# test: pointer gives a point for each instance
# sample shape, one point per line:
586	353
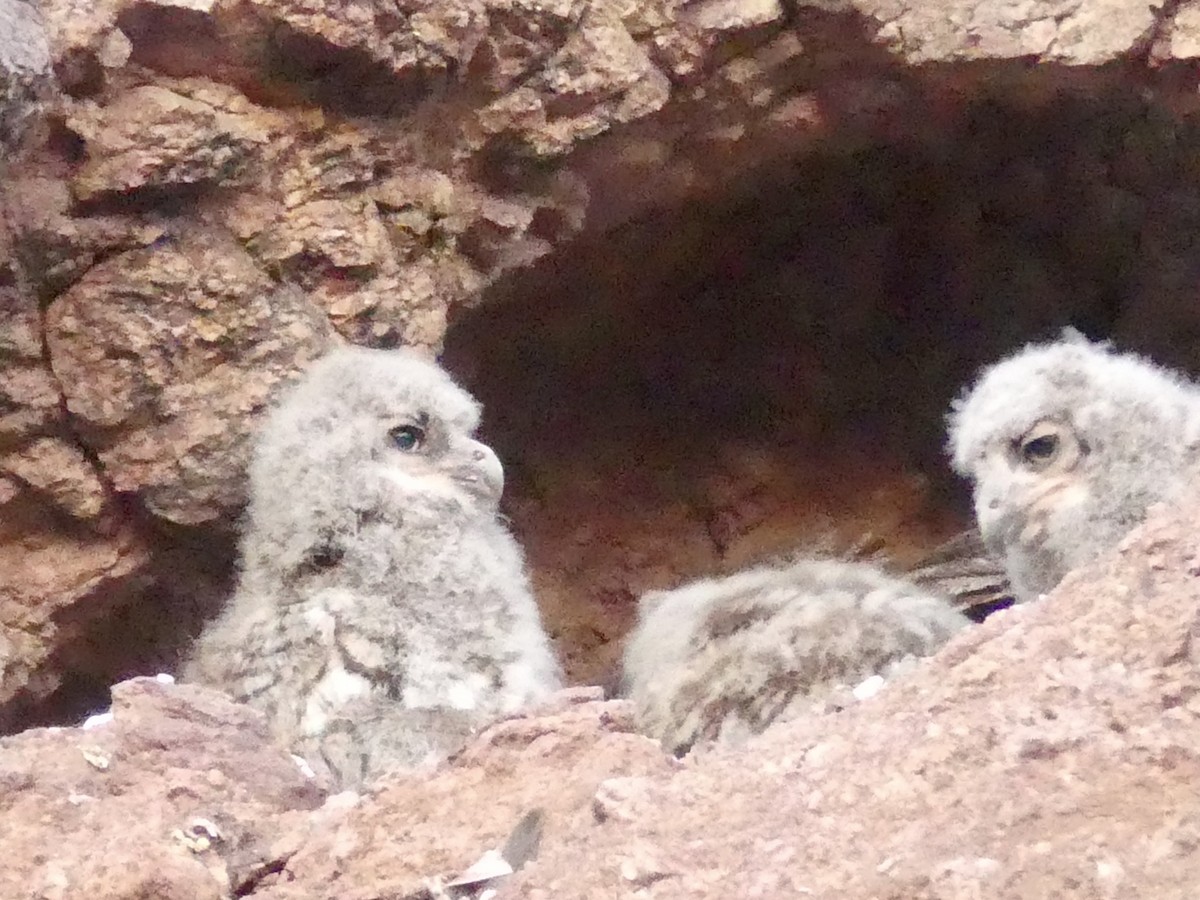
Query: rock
151	137
439	825
600	78
28	397
178	794
59	471
165	355
1090	33
1052	751
48	571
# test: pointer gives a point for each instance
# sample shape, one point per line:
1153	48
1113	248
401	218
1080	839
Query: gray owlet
723	658
1067	444
383	610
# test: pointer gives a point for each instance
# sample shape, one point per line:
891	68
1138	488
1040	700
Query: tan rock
55	581
345	234
1183	40
76	26
179	795
600	78
57	244
165	355
406	39
28	396
1089	33
61	472
153	137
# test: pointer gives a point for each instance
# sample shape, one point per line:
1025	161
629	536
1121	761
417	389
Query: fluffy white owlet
383	610
1067	444
723	658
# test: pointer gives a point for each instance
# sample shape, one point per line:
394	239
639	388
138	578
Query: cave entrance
769	370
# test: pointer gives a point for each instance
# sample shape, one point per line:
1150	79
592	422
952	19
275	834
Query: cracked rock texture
179	795
1053	750
716	268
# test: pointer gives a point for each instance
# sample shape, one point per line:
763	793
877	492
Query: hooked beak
481	474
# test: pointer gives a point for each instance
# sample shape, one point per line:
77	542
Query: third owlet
383	610
723	658
1067	444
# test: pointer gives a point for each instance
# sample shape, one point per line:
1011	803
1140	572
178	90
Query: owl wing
964	570
263	654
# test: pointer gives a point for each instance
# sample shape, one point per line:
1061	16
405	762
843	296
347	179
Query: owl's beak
481	474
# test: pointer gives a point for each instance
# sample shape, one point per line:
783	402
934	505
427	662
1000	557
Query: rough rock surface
411	833
179	795
174	349
1052	751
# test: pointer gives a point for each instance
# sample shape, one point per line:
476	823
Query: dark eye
407	437
1040	450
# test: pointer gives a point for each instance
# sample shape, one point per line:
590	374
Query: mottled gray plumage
383	608
1067	444
723	658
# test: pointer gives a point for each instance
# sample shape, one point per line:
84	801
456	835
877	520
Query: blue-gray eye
407	437
1041	450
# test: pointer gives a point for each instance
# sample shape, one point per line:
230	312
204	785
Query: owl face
1067	444
1030	491
1023	483
423	451
381	430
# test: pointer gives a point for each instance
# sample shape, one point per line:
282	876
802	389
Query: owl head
1066	444
367	436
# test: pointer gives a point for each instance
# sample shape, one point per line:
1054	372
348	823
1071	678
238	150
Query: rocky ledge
1052	751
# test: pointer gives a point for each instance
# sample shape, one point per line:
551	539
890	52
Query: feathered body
723	658
1067	444
376	575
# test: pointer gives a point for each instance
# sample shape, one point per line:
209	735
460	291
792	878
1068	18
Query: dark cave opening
769	371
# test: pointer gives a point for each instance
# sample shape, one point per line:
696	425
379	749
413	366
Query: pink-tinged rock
179	795
1052	752
54	584
418	831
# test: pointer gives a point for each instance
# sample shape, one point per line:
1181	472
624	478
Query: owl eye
408	438
1040	451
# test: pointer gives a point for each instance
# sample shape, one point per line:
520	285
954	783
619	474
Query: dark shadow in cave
721	381
148	622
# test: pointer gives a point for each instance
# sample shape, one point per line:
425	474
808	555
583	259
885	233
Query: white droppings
97	720
302	764
96	758
869	688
